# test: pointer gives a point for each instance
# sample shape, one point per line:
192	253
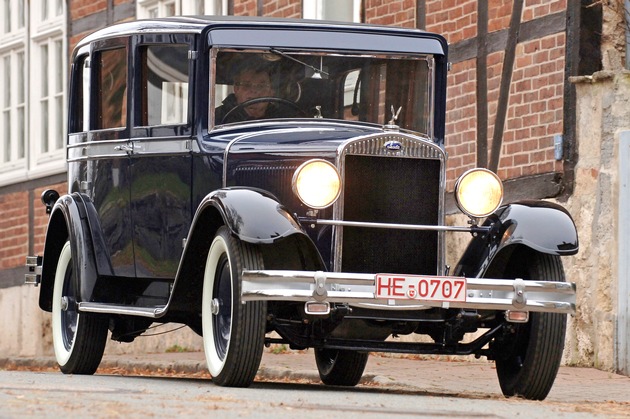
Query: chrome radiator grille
384	186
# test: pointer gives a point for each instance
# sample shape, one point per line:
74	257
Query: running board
104	308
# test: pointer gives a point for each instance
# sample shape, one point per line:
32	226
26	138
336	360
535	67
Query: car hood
284	139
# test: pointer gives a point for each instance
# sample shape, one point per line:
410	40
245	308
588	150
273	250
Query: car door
98	150
161	161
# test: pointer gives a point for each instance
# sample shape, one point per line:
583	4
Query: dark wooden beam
569	117
546	185
497	41
421	14
482	83
506	81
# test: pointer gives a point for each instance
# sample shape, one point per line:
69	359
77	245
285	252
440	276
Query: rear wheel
340	367
78	338
233	332
528	359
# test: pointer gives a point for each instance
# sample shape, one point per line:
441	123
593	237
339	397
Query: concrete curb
174	367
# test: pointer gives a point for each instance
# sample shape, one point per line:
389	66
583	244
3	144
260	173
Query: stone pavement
461	378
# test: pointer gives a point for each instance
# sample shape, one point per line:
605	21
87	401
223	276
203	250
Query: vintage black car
283	181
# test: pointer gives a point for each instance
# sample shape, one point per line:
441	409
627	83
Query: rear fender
70	220
540	225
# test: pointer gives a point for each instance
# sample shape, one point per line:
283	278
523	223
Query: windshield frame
299	58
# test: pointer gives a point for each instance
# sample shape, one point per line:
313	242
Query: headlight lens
478	192
317	183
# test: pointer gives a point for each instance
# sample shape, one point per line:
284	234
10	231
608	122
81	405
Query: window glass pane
336	86
6	122
44	74
165	85
112	88
7	16
169	9
21	71
20	22
44	10
20	132
85	95
59	7
59	122
58	68
7	81
44	126
199	9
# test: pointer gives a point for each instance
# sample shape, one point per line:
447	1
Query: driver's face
250	85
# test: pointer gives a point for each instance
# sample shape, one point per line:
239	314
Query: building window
32	114
13	110
347	11
165	8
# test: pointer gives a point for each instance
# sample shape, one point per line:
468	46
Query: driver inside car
250	82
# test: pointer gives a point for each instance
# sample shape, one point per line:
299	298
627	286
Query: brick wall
283	8
13	229
395	13
535	110
535	107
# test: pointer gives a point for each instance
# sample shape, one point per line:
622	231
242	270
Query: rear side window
164	85
112	89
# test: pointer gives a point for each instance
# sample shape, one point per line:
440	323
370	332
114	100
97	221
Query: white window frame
48	29
146	9
315	9
33	24
10	104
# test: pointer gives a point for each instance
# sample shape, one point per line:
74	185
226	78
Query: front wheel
340	367
78	338
233	332
529	356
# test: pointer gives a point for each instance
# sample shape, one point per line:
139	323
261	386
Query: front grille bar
471	229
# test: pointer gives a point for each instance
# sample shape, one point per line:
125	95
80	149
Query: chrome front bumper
359	290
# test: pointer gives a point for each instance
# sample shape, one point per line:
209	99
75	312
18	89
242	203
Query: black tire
78	338
233	333
340	367
528	361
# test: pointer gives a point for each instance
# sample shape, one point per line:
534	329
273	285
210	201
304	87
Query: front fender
253	215
69	220
540	225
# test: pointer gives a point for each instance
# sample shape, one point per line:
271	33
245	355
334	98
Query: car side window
80	102
164	85
112	89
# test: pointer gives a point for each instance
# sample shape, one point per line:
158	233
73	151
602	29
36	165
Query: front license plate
418	287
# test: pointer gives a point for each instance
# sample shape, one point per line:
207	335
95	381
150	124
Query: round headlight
478	192
317	183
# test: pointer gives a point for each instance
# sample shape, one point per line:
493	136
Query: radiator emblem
393	145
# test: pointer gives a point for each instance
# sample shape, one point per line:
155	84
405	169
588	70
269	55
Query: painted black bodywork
143	207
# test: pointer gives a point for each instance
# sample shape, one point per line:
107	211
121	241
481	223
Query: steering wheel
278	100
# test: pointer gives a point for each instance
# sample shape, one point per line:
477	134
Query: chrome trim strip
358	289
151	312
397	226
90	150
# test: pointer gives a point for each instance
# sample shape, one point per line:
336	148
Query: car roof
233	31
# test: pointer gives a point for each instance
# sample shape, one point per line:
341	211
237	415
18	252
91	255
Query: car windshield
376	89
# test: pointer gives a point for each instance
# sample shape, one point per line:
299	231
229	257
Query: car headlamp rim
303	194
462	182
